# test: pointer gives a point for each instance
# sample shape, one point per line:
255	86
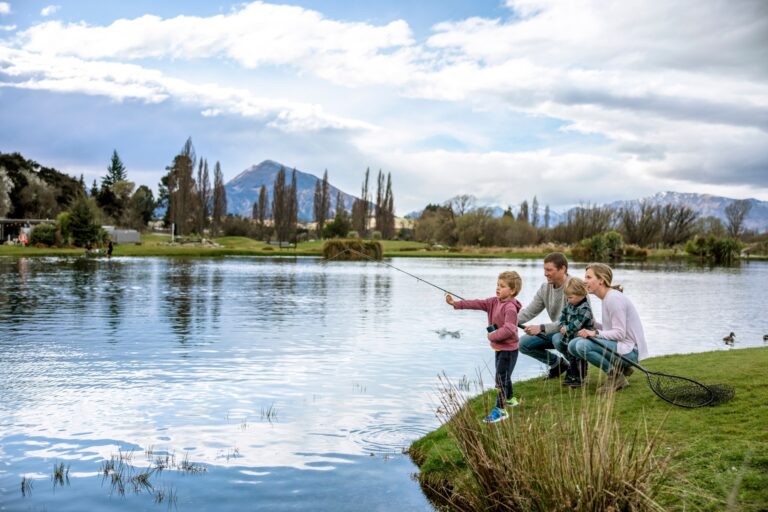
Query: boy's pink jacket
503	314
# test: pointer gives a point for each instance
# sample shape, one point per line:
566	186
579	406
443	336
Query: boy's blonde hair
576	287
513	280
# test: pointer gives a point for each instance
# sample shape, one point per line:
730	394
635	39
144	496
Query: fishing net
685	392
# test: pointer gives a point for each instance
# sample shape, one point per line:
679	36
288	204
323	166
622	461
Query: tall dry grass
568	456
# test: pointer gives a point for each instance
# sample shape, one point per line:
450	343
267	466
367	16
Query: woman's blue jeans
597	355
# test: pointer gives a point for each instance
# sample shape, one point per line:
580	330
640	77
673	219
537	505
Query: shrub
602	247
634	252
43	234
714	250
352	250
376	235
353	234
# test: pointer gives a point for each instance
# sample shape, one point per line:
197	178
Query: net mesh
687	392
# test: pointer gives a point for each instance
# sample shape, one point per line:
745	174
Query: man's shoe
627	371
496	415
512	402
556	371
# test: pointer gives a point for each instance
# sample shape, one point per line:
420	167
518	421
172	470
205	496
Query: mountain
705	205
243	190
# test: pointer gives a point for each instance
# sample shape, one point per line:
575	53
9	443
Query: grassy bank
159	245
718	456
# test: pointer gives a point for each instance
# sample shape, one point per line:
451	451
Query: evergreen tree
219	198
115	172
82	222
94	189
142	206
339	205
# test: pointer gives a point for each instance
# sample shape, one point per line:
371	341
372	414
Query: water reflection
282	376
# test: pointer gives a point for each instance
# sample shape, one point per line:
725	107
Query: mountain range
243	191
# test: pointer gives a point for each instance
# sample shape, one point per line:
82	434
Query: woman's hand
449	299
586	333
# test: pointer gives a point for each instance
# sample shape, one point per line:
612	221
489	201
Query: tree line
459	222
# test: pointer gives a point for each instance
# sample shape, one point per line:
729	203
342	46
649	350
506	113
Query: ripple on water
387	438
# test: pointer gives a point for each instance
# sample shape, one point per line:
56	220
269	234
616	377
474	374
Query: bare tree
546	217
462	204
735	213
219	199
677	224
641	226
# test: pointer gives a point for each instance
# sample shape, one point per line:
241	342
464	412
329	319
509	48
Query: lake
272	384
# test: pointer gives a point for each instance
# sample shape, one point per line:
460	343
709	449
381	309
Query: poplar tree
203	196
380	213
219	199
388	231
361	209
546	217
535	212
181	187
278	205
292	207
260	212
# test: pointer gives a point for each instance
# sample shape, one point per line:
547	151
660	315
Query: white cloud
49	10
7	28
131	82
675	89
5	8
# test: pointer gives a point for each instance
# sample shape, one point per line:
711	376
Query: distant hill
243	190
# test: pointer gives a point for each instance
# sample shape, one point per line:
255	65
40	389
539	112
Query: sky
578	101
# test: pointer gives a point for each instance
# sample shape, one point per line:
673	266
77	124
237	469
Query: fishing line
398	269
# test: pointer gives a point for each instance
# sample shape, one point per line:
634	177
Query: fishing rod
398	269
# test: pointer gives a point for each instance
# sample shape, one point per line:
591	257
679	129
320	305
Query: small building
122	236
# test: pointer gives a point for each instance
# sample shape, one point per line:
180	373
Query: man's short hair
558	259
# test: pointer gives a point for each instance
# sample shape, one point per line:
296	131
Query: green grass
721	452
154	244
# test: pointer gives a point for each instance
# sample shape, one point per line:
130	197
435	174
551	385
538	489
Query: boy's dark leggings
505	365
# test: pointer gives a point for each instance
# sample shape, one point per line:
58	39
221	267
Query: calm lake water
285	384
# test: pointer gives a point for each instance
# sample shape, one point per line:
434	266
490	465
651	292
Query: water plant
190	467
26	486
167	495
60	474
269	414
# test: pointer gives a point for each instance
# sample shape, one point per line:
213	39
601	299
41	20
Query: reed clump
352	250
570	456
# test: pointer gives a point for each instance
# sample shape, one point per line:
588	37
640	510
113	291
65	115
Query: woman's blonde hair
513	280
604	273
575	286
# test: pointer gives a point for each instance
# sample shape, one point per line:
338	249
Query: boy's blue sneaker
512	402
496	415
